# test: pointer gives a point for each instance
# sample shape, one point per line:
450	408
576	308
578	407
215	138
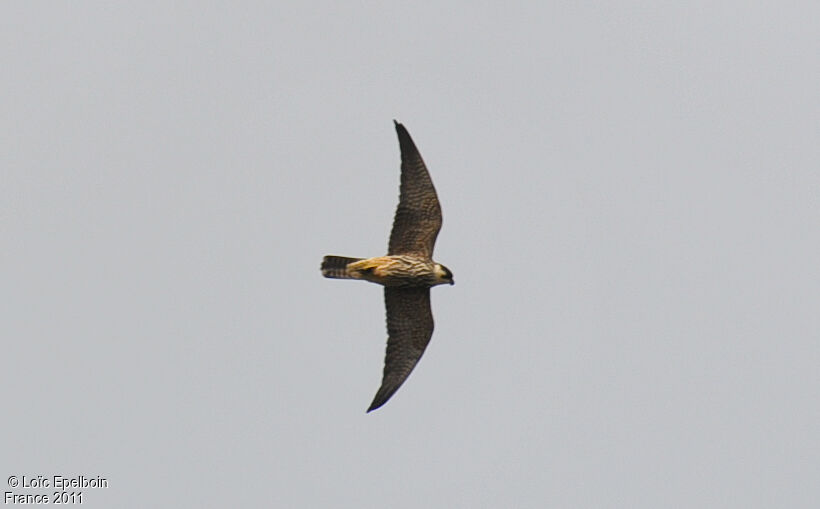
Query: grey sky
631	211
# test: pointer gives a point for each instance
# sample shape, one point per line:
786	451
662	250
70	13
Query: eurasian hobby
407	272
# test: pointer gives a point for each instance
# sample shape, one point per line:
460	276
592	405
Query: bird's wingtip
375	405
380	399
400	129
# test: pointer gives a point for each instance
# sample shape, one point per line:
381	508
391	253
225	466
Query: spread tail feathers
336	266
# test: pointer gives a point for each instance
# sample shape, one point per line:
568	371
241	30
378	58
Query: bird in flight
407	272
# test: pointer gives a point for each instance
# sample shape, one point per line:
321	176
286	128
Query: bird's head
443	275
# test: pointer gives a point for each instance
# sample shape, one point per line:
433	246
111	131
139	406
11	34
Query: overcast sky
631	201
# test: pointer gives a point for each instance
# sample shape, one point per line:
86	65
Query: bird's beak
452	282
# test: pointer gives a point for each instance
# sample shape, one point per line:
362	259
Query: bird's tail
336	266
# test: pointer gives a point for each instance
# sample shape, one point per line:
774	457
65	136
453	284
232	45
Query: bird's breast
397	270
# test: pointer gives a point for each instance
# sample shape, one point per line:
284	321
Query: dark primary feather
418	215
409	328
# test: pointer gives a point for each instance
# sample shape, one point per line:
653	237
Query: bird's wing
409	328
418	216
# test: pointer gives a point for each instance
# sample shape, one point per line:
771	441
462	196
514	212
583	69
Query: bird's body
407	271
395	270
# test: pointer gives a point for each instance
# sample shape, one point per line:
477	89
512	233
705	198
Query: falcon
407	272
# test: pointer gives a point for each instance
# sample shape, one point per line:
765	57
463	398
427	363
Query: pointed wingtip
404	135
382	396
375	405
